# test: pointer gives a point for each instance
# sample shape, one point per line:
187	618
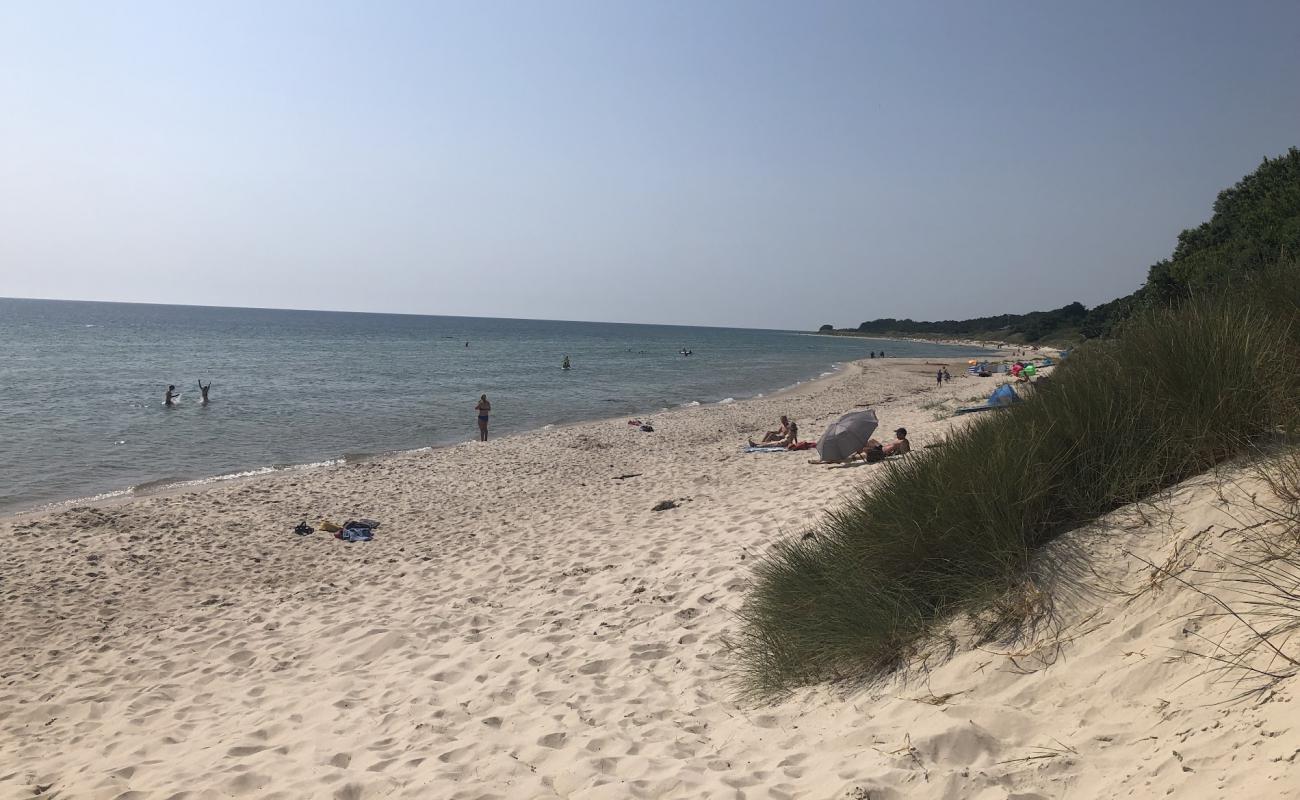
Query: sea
82	385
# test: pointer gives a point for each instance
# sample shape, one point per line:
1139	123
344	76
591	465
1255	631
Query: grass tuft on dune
955	528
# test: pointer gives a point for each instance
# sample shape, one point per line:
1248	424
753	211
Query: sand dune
524	625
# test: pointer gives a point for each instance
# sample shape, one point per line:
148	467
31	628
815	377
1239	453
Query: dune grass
955	528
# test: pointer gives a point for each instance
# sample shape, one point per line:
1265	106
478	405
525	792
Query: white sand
525	626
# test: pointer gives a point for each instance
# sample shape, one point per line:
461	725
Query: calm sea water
81	385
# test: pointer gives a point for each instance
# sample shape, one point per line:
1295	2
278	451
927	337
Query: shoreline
165	486
997	345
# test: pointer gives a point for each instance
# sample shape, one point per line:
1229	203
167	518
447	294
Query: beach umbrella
846	435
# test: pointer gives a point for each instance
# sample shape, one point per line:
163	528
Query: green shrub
950	529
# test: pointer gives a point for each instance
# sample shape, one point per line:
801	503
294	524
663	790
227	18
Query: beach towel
757	449
355	535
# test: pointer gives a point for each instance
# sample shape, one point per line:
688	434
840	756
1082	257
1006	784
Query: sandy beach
525	626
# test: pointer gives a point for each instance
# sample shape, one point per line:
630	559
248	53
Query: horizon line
404	314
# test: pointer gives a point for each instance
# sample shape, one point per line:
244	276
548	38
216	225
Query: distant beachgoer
484	408
203	392
787	439
938	378
467	344
779	433
566	364
946	377
873	354
169	399
882	353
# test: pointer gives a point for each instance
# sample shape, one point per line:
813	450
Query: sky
775	165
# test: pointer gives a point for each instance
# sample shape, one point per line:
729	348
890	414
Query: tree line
1255	224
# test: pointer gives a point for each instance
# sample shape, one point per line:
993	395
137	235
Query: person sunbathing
874	451
776	435
788	440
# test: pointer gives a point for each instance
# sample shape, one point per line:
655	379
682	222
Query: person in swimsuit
169	399
779	433
484	408
203	391
874	451
787	439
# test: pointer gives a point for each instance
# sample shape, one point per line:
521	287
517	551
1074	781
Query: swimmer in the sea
203	392
169	399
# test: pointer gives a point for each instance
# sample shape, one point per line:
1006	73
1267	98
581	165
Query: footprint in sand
247	750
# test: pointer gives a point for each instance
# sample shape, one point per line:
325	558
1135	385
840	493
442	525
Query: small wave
690	404
151	487
63	504
331	462
726	400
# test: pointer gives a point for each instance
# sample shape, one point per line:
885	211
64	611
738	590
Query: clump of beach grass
954	529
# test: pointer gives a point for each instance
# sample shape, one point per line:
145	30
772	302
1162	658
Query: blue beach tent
1002	397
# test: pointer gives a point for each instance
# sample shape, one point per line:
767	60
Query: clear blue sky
753	164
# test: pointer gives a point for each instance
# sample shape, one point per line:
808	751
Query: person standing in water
484	408
203	392
169	399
